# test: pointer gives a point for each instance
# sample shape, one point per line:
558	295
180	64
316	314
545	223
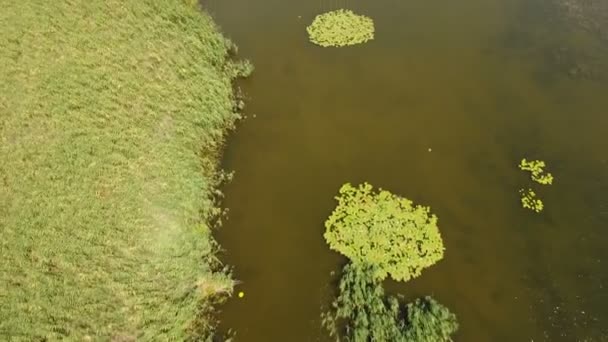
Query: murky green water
482	83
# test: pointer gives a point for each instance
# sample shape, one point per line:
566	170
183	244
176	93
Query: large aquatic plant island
385	231
383	234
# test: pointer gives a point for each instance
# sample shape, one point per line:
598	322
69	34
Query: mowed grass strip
112	114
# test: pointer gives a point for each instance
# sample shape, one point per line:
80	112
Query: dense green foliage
429	321
111	117
536	168
385	231
362	313
361	308
340	28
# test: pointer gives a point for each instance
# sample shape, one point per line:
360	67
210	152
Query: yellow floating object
241	294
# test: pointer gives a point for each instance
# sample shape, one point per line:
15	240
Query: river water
439	108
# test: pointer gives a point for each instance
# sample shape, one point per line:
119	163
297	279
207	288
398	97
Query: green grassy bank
111	117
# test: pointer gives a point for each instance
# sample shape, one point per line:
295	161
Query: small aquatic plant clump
385	231
530	201
340	28
536	168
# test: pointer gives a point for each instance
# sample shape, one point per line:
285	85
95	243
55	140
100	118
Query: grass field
112	114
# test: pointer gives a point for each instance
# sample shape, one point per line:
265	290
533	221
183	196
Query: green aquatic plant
383	234
429	321
340	28
384	230
530	201
362	313
536	168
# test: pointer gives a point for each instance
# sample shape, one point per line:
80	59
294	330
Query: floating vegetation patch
385	231
340	28
530	201
536	168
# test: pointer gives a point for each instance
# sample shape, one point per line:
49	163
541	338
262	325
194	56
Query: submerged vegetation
112	114
362	312
428	321
362	308
340	28
384	230
592	15
382	234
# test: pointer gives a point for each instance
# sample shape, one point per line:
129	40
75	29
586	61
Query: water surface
481	83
